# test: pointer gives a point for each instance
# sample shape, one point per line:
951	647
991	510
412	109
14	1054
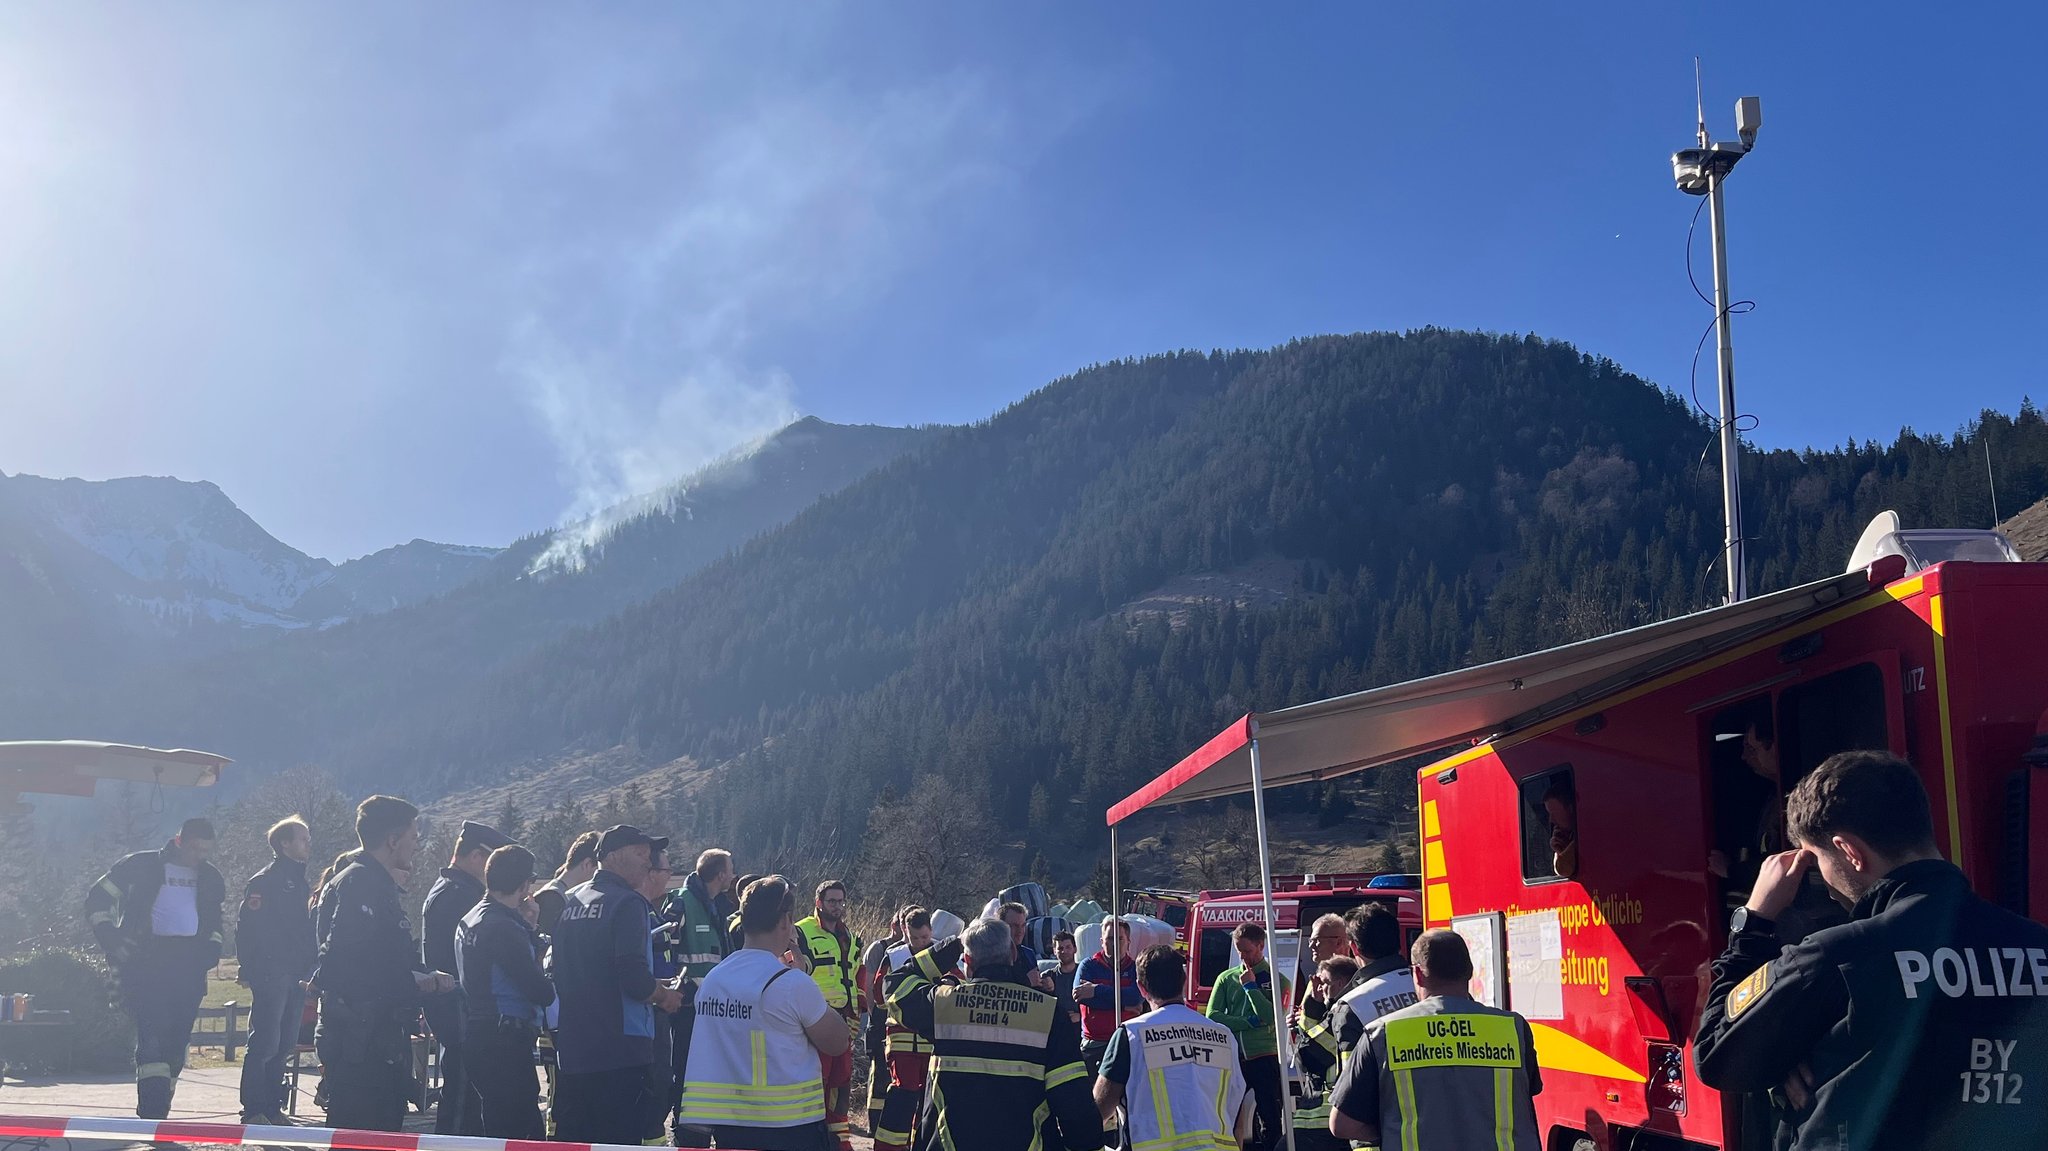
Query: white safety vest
1184	1089
1382	995
750	1067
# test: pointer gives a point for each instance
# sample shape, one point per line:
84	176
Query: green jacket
1247	1011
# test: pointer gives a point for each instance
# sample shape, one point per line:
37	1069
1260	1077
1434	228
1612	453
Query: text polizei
1981	972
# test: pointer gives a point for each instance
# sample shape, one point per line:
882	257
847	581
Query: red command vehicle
1298	901
1612	797
1173	906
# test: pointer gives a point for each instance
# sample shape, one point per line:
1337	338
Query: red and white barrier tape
310	1138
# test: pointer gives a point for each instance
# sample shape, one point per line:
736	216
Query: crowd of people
708	1013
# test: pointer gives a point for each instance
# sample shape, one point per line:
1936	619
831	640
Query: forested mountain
283	701
984	609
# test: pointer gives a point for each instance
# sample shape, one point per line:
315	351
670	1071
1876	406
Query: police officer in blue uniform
497	955
458	889
1921	1023
157	916
603	966
371	983
276	948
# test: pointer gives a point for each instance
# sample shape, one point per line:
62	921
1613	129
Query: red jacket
1098	1010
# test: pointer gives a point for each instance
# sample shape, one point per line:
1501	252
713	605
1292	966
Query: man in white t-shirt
157	915
778	1103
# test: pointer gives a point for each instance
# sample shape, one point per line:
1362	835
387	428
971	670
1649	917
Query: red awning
1333	737
73	766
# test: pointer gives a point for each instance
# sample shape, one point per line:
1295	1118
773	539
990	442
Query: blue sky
461	270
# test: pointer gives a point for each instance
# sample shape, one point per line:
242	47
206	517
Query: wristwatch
1745	920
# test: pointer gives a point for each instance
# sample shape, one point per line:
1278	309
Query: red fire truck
1603	814
1298	901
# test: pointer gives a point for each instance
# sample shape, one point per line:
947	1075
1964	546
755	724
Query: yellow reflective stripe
893	1138
213	938
742	1114
779	1094
98	917
941	1130
1189	1141
927	964
971	1065
1404	1094
1225	1123
906	1043
1162	1106
1504	1110
1067	1074
759	1042
111	888
153	1071
1319	1033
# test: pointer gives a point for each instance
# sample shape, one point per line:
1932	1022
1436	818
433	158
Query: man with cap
369	977
157	915
459	889
603	966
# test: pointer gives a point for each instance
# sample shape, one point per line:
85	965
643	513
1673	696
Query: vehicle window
1175	914
1841	711
1550	825
1747	815
1217	956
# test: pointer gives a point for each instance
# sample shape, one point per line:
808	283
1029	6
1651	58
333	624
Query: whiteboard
1535	968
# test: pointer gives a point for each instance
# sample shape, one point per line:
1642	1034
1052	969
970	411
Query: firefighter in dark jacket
506	995
1006	1057
458	889
157	916
370	979
690	942
1922	1023
276	949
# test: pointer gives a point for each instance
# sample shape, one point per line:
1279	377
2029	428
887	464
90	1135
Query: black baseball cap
474	835
622	835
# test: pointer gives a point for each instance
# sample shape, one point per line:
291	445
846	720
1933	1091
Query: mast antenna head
1699	101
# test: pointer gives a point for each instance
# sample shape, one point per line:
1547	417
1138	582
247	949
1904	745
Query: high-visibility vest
740	1072
1184	1089
1453	1073
834	962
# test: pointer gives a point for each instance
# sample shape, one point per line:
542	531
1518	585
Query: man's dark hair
1561	787
1375	932
197	827
1249	929
583	849
381	817
764	903
1443	954
508	869
1008	909
1342	968
1063	937
829	885
1162	972
916	918
1873	795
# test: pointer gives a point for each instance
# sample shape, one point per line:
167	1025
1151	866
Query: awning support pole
1272	937
1116	901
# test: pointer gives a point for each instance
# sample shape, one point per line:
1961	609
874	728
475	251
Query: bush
100	1038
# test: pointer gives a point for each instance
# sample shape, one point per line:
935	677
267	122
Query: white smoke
621	459
803	210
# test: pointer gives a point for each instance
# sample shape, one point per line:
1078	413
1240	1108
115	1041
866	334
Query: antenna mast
1701	171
